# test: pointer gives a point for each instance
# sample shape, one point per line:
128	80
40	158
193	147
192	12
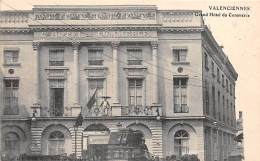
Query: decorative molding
82	36
75	45
101	14
136	71
96	72
14	30
14	17
182	29
115	44
36	45
154	44
57	72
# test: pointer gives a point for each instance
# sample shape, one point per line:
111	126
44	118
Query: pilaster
36	102
36	134
76	108
77	140
157	142
155	70
115	72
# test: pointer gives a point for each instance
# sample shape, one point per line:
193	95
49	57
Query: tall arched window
56	143
12	144
181	143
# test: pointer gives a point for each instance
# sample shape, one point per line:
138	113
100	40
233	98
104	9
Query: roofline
9	11
227	61
95	6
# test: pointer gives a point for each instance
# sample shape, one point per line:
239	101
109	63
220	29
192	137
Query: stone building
161	71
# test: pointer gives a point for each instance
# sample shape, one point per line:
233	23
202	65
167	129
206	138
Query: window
180	55
223	108
135	92
56	97
56	143
93	85
11	56
228	112
135	56
232	114
11	88
214	101
219	105
95	56
207	97
180	95
206	61
227	86
223	81
12	145
218	75
181	143
212	68
56	57
230	89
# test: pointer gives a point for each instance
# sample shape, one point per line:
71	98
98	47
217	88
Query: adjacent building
157	71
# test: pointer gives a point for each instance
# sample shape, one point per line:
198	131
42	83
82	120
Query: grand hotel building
164	72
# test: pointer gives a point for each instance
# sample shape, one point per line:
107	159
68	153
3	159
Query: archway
146	133
56	139
95	134
182	139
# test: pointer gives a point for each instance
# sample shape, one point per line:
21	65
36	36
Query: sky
239	36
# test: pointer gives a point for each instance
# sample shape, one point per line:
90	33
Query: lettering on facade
101	15
93	35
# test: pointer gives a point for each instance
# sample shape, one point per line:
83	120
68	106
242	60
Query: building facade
157	71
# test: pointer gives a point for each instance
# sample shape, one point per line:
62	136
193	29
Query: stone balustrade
14	19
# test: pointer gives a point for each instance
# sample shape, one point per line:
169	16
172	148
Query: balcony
124	110
138	111
98	111
109	111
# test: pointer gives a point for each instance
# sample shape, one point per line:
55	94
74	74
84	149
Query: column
155	72
36	102
76	86
115	71
116	107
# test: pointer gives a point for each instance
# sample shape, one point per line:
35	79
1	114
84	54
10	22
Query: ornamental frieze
97	15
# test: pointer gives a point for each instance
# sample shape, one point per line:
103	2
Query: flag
79	120
92	100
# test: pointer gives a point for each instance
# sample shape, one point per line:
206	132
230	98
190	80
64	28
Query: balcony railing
125	111
137	111
56	112
109	111
98	111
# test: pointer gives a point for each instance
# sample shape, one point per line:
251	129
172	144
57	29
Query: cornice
181	29
96	27
94	7
15	30
223	57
